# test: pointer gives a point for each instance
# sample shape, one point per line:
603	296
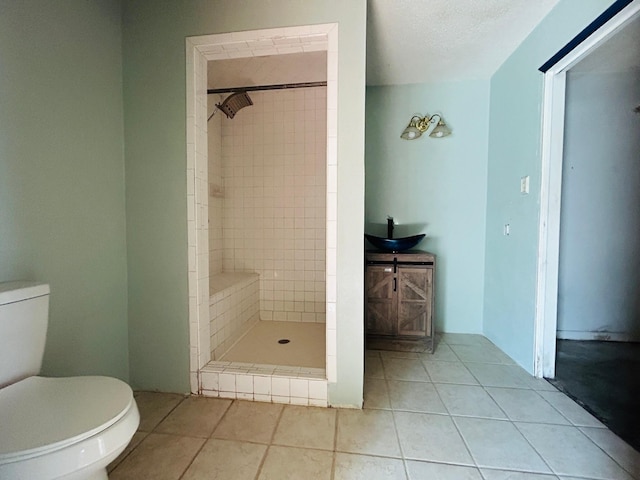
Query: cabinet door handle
395	284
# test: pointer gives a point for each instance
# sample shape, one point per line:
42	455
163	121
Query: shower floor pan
305	348
263	366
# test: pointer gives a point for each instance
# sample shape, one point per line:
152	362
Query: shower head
233	103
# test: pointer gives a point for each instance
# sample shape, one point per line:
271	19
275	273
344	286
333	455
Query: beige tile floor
465	413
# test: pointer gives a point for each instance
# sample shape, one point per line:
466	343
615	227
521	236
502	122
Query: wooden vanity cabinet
399	295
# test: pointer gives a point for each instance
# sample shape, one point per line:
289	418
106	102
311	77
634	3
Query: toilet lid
47	413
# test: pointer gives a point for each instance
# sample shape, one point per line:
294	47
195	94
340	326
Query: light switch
524	185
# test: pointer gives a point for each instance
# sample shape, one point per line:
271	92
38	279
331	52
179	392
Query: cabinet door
381	308
415	290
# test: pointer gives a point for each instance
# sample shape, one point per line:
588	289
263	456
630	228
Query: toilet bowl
68	428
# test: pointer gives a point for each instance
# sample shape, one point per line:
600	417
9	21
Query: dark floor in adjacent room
604	377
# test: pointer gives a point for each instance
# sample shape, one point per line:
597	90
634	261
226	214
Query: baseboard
601	336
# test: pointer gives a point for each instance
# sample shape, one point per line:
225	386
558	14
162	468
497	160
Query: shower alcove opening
262	213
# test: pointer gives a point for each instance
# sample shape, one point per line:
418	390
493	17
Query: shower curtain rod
256	88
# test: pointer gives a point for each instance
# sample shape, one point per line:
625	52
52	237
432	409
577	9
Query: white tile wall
233	308
274	206
265	383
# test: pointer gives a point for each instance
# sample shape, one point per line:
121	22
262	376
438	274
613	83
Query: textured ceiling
408	41
417	41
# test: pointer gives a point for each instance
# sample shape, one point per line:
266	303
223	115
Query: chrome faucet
389	227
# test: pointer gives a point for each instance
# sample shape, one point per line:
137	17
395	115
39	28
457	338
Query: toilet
68	428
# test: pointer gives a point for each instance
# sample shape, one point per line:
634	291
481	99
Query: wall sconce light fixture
418	125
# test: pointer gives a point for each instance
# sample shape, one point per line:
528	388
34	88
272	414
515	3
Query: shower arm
214	112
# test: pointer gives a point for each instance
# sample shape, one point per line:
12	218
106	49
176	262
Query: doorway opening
588	259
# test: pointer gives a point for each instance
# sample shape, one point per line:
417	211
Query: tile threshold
264	383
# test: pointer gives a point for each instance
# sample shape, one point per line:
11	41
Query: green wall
154	99
62	212
62	183
434	186
514	151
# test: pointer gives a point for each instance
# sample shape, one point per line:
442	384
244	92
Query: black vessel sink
394	244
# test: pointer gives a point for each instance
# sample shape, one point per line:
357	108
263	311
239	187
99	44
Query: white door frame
200	50
553	115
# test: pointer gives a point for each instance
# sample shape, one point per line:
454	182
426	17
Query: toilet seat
78	419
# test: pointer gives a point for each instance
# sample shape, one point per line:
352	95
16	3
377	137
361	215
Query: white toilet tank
24	311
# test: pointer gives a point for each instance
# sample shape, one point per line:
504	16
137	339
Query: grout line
393	416
455	354
275	429
482	474
146	434
402	455
484	389
224	414
262	460
544	460
194	457
273	435
376	455
435	388
536	473
335	431
442	462
464	441
169	413
335	445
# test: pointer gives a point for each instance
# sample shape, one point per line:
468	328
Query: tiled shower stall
269	195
